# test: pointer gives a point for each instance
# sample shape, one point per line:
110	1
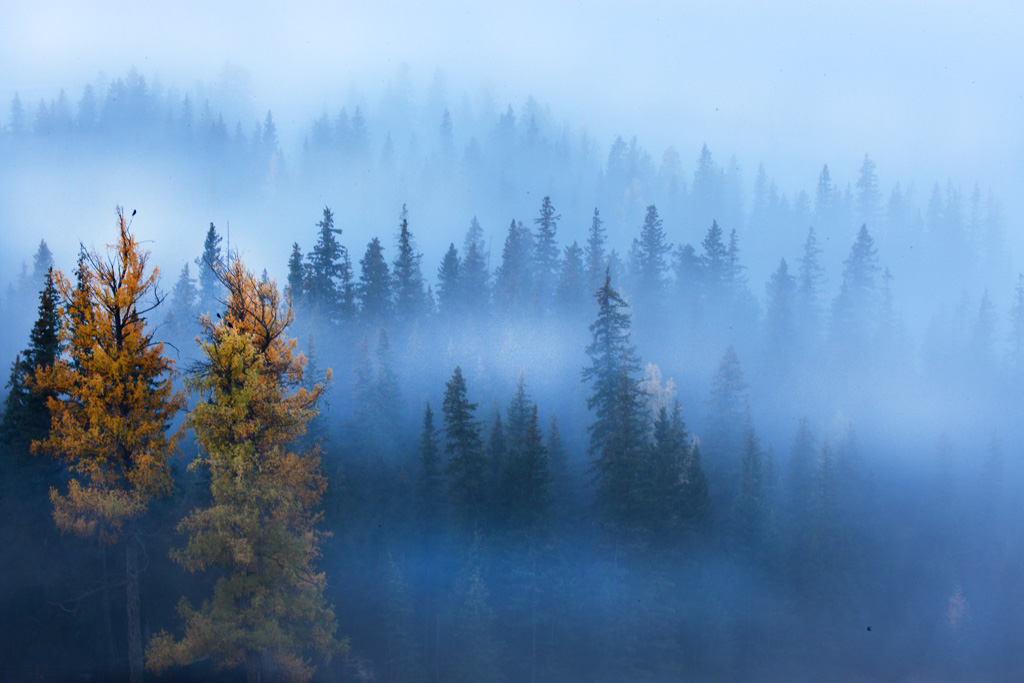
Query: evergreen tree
696	510
851	310
476	648
210	265
430	480
296	276
513	287
114	405
811	280
801	471
545	254
524	476
558	467
182	318
328	275
259	531
475	276
619	430
401	659
869	197
716	264
663	478
449	284
374	285
780	292
463	446
26	417
597	263
408	287
749	513
647	259
571	294
497	454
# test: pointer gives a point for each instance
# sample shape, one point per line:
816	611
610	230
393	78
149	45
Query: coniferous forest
465	394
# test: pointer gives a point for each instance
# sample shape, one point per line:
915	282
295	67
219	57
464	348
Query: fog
812	218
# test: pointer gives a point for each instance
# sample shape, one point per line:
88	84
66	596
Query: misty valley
465	394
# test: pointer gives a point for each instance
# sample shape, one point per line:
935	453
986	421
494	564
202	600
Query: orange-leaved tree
111	406
268	612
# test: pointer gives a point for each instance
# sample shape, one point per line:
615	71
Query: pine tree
210	265
811	280
663	476
558	466
716	264
497	454
259	531
749	513
619	430
113	406
852	308
780	292
408	286
476	648
375	285
466	467
801	471
1016	354
869	197
545	253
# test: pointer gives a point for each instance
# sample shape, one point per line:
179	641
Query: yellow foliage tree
112	405
268	610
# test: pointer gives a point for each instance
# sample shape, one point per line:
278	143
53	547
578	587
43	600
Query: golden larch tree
111	406
268	612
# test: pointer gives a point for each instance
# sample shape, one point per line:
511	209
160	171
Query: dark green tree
328	280
430	479
524	476
476	290
182	321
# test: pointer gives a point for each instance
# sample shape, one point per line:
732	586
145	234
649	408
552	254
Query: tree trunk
131	555
108	628
253	668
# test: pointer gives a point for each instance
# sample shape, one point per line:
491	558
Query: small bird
869	628
134	211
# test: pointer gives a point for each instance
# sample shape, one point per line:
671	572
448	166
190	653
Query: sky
929	89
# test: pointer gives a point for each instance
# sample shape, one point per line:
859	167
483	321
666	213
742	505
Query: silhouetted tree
375	285
466	467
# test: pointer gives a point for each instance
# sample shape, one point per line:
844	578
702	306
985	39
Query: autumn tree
268	611
111	410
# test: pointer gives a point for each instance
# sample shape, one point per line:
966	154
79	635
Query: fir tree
328	274
513	288
475	277
182	313
571	294
524	476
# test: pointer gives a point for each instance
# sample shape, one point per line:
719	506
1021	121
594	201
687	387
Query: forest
466	397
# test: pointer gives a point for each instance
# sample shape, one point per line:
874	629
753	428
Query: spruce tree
524	476
572	291
513	286
647	258
476	285
182	318
296	276
328	275
430	479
